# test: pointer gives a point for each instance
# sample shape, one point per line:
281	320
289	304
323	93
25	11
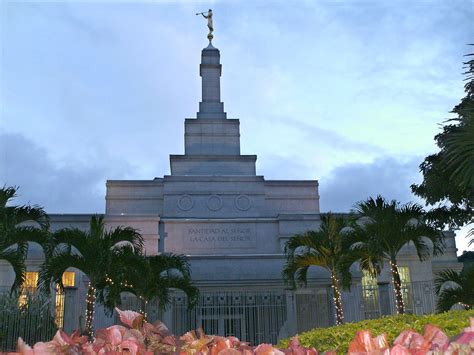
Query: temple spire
210	71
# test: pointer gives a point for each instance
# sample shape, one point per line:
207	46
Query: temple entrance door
233	326
230	324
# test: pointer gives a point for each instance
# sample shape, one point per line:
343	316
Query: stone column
291	318
167	316
71	321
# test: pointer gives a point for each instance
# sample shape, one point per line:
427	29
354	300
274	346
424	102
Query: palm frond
184	284
16	261
97	226
34	214
28	234
121	235
6	194
71	237
51	271
470	234
167	261
453	287
389	226
448	298
301	275
445	276
328	247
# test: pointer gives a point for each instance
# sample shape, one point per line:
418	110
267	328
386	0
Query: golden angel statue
208	16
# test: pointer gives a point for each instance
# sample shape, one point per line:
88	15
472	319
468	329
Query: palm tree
384	228
458	290
94	252
326	248
448	175
149	278
20	225
457	140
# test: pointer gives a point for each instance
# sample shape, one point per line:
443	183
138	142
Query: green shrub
339	338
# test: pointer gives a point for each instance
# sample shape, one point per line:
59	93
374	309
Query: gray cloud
351	183
60	187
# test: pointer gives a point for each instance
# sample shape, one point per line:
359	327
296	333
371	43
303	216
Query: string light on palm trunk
397	288
144	302
337	299
90	308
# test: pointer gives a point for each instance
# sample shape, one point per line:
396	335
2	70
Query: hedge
339	338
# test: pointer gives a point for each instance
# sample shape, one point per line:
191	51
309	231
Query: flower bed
140	337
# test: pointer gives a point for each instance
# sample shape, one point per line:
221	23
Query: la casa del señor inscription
222	236
219	234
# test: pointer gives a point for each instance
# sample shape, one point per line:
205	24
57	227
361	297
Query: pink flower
363	343
463	341
415	343
437	339
295	348
220	344
230	351
118	339
267	349
130	318
399	350
61	344
23	348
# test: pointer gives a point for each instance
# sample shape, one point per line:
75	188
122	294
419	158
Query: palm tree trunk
90	310
397	287
337	300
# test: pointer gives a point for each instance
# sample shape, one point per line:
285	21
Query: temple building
232	224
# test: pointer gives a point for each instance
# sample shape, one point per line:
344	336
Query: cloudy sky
347	92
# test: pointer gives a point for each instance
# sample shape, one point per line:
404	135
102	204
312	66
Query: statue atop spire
208	16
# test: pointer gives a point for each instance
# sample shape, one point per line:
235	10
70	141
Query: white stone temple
233	224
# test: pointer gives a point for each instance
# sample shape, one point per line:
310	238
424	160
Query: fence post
291	320
167	314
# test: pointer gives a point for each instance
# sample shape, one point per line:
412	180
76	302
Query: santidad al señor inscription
222	235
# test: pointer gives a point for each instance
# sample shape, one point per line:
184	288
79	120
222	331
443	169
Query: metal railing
33	321
419	298
255	317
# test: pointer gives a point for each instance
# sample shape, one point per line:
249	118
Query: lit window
368	280
404	272
28	287
31	280
370	293
405	281
68	281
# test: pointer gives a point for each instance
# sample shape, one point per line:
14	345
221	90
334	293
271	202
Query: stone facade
214	206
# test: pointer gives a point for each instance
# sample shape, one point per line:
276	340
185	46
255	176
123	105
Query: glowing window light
68	278
28	287
370	295
405	281
68	281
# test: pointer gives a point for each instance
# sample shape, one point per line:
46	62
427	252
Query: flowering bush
138	337
339	338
